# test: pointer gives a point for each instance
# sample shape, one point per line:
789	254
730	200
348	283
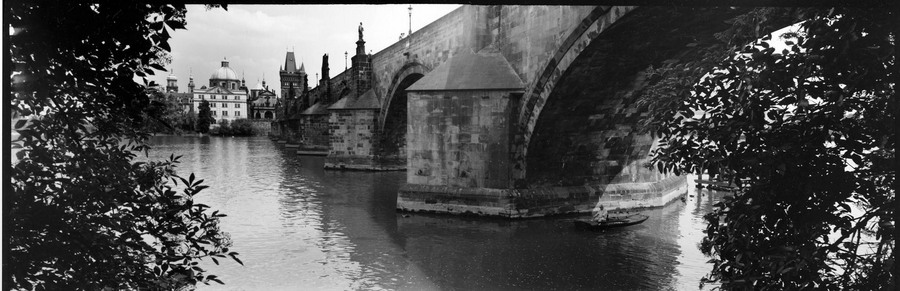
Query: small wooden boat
610	223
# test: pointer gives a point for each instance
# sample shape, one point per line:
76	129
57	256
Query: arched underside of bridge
393	113
586	130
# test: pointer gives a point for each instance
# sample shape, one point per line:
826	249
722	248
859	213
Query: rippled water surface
299	227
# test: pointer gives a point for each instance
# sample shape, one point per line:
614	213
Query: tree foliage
808	134
204	117
82	214
165	114
671	83
238	127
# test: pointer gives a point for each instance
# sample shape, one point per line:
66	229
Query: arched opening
392	141
587	131
256	115
269	115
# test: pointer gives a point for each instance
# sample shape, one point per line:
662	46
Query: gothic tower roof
290	65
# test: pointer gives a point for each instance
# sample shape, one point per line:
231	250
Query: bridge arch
393	121
403	78
539	89
578	120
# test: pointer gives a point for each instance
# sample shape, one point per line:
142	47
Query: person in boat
601	215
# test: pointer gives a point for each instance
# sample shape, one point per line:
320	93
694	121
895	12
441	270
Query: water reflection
298	226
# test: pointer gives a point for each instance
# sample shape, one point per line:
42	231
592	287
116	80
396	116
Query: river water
300	227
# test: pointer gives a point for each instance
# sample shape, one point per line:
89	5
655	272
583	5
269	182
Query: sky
255	38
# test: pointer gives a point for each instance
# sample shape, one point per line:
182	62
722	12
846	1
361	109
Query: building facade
227	95
262	102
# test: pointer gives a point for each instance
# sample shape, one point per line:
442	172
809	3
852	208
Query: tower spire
410	19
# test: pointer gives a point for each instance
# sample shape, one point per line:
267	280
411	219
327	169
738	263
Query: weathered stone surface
462	138
578	121
535	202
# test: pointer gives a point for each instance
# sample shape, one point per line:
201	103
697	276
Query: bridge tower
292	79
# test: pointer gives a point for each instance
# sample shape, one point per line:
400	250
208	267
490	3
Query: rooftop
367	101
487	70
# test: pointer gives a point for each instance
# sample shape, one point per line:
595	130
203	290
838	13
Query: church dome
224	73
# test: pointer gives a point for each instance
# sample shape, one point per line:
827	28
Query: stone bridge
513	111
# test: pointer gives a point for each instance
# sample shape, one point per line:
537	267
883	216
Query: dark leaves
82	213
806	128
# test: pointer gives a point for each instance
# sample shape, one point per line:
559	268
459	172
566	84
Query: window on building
212	97
213	112
237	97
212	105
224	105
237	113
224	113
232	85
201	97
222	84
238	105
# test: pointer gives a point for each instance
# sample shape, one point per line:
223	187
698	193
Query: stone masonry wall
262	127
314	132
459	139
290	131
431	46
527	35
352	132
543	201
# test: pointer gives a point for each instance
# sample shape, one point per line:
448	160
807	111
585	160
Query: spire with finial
191	81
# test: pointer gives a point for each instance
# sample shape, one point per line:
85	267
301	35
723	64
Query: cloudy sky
254	38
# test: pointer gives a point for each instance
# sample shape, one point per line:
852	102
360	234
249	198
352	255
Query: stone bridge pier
531	125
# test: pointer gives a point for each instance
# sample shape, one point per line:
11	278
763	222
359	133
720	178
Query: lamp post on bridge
407	53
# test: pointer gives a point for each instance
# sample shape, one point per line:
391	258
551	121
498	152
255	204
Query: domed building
226	94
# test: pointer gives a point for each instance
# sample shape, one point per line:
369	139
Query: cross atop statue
360	31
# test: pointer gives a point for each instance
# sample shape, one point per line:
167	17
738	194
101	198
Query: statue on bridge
360	31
